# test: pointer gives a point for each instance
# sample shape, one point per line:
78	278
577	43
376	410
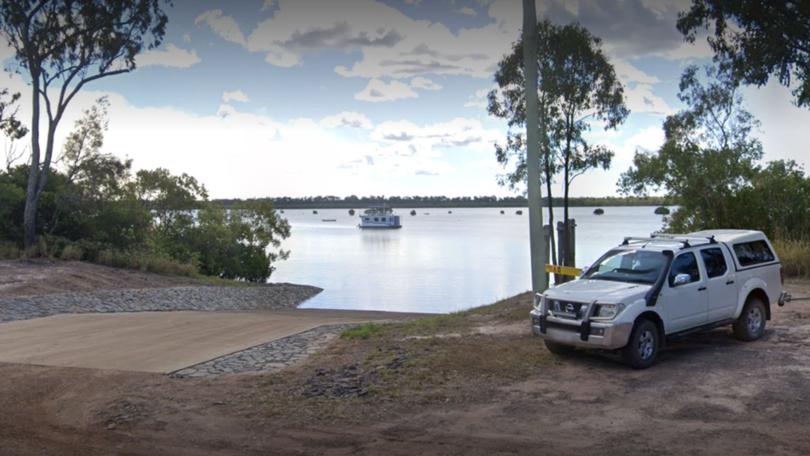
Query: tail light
782	275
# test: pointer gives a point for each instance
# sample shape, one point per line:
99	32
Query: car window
685	264
714	261
751	253
635	266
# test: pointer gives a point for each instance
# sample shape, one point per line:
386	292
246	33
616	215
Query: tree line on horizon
357	202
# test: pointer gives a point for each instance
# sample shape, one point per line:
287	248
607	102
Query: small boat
329	220
599	211
351	211
662	210
519	212
380	217
314	212
413	212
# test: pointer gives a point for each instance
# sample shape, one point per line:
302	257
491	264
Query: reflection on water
435	263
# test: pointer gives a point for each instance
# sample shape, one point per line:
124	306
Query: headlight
608	311
539	300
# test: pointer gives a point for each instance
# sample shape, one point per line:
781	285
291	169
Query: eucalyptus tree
708	157
757	39
577	88
62	45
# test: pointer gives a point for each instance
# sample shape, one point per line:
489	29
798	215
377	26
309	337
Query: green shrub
795	257
362	332
9	251
72	253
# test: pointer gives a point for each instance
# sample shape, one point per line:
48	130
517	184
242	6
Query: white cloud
649	139
479	99
224	26
170	56
628	73
378	90
235	95
304	156
394	45
467	11
347	119
641	99
424	84
459	132
784	125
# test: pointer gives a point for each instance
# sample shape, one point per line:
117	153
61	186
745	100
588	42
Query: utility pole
538	244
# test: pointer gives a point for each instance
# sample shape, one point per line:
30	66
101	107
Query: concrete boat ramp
159	342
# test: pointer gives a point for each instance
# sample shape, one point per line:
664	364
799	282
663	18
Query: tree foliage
62	45
95	204
757	39
710	164
577	88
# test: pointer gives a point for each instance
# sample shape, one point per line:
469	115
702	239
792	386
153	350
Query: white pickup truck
647	291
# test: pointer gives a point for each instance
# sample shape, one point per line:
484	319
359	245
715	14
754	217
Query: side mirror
681	279
584	271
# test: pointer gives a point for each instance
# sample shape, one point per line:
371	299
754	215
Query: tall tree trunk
565	240
31	193
550	204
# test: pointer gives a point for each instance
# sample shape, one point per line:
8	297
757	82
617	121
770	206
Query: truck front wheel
751	323
642	348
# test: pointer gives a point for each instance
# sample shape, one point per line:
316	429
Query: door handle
730	282
702	289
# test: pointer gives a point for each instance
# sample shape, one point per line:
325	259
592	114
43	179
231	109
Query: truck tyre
558	349
751	323
642	348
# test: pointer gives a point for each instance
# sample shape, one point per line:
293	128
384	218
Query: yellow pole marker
563	270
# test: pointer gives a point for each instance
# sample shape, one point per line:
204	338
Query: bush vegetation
795	257
95	208
711	165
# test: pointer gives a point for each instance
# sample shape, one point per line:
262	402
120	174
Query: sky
272	98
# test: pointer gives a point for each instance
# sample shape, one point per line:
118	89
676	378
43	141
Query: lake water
439	262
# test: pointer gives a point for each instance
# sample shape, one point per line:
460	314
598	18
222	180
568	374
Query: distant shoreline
441	202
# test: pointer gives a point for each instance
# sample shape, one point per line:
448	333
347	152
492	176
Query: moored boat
379	218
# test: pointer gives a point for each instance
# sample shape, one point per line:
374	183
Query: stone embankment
189	298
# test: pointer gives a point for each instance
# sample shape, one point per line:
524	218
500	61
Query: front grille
568	309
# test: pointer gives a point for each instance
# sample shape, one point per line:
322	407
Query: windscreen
635	266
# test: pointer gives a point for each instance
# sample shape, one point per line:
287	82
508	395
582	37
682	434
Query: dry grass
443	359
146	262
795	257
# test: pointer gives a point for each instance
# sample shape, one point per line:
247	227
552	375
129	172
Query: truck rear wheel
642	348
558	349
751	323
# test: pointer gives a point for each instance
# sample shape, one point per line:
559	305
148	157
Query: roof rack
679	238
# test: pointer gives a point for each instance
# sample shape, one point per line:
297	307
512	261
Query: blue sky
303	97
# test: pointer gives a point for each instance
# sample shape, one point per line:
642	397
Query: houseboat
379	218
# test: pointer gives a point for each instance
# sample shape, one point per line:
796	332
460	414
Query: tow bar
787	297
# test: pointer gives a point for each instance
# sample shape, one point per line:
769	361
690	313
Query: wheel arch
659	323
763	296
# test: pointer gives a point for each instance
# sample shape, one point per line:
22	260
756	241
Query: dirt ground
473	383
39	277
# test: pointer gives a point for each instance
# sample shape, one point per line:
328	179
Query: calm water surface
439	262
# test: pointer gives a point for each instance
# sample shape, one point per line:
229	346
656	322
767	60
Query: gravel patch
270	357
194	298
